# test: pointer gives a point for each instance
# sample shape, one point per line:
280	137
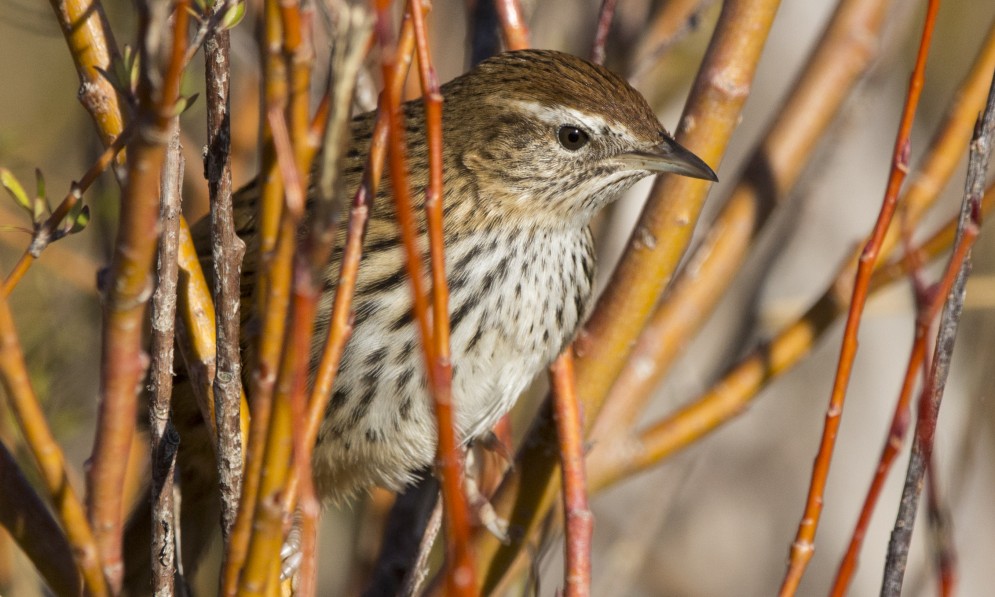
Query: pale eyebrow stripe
564	115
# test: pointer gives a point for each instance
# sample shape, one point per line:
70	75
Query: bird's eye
572	138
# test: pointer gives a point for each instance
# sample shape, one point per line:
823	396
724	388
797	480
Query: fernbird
535	143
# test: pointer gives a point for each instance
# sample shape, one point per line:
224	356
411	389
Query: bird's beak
669	156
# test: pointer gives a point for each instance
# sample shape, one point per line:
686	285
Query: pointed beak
669	156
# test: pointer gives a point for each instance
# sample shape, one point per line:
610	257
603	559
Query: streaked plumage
520	259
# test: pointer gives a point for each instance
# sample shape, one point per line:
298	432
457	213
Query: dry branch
959	269
162	435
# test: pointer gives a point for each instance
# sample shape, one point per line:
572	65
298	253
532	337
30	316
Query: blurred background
718	518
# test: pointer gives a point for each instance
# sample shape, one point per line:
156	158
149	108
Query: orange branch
803	545
49	456
123	361
513	27
579	521
461	576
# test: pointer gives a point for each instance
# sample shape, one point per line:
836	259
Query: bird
535	144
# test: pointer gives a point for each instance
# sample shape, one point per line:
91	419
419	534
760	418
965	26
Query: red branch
579	521
513	28
804	544
461	577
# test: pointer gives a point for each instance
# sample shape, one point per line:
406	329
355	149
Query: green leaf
234	15
13	186
39	211
40	184
82	219
183	104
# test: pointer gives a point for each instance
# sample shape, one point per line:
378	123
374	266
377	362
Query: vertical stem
227	250
803	545
461	576
122	360
579	522
162	436
932	395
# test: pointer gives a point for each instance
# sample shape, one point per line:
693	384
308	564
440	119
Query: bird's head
547	133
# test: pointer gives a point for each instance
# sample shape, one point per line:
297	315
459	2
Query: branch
47	453
163	437
461	576
122	360
804	543
227	250
578	517
932	395
847	47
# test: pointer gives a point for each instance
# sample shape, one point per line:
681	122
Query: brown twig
340	326
847	47
48	455
941	535
36	532
461	577
227	250
804	543
932	395
605	16
513	27
122	359
163	438
928	304
579	521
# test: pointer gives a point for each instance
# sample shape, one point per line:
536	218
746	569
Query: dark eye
572	138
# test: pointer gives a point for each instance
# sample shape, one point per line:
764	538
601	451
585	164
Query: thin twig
275	238
579	520
513	27
803	546
461	576
261	563
605	16
932	395
122	360
163	438
227	250
941	534
50	229
340	327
